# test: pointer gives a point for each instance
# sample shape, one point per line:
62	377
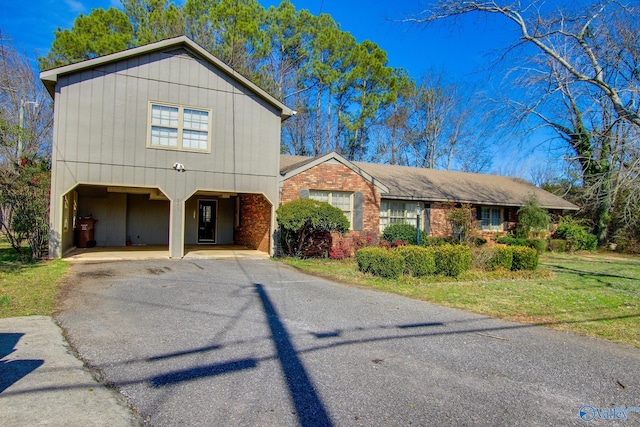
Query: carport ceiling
99	191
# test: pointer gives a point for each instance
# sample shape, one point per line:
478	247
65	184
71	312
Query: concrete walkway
42	383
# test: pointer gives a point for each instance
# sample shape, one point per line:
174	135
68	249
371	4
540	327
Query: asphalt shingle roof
409	183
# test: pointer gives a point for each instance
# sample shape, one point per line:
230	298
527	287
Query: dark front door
207	221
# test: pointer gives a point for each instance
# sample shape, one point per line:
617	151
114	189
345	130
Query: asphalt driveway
254	342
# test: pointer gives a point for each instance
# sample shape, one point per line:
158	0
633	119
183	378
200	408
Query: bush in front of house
380	262
451	260
340	250
500	257
300	219
524	258
540	245
576	235
402	232
418	261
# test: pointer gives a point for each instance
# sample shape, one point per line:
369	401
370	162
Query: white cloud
75	6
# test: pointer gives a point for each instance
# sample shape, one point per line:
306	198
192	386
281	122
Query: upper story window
340	199
176	127
491	219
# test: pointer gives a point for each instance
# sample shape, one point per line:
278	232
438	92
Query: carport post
176	229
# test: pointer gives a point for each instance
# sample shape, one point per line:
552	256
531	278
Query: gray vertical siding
100	133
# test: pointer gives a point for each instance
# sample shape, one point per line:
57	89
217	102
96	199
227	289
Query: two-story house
163	145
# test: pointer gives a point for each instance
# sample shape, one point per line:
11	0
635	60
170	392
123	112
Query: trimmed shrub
401	232
577	237
501	256
300	219
524	258
451	260
418	261
380	262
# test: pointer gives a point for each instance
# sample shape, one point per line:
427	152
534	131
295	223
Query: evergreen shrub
402	232
451	260
501	256
524	258
380	262
418	261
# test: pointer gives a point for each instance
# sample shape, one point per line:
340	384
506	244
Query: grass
591	294
27	288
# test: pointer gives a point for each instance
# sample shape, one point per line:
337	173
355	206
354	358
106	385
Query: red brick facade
254	226
337	177
439	225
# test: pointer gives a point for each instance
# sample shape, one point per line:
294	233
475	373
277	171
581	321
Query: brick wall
255	222
439	226
337	177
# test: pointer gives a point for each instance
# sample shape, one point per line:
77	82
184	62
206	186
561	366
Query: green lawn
591	294
27	288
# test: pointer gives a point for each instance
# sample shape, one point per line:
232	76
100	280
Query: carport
135	222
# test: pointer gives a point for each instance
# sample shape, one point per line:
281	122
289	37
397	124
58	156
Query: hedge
524	258
418	261
500	257
451	260
380	262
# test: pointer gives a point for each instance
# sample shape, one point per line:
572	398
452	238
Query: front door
207	221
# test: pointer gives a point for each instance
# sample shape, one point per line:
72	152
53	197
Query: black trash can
85	232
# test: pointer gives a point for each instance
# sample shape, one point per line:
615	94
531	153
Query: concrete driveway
254	342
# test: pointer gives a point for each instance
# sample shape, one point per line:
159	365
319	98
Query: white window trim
330	197
489	227
409	216
180	127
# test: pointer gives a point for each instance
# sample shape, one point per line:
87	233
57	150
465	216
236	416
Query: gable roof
432	185
293	165
50	77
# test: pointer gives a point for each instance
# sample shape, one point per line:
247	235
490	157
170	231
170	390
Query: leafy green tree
100	33
300	219
532	218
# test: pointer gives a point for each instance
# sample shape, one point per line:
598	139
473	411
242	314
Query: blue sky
462	51
459	51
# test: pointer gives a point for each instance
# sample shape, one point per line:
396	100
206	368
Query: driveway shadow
11	371
309	407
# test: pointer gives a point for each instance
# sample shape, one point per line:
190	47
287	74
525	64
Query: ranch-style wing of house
373	196
162	144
